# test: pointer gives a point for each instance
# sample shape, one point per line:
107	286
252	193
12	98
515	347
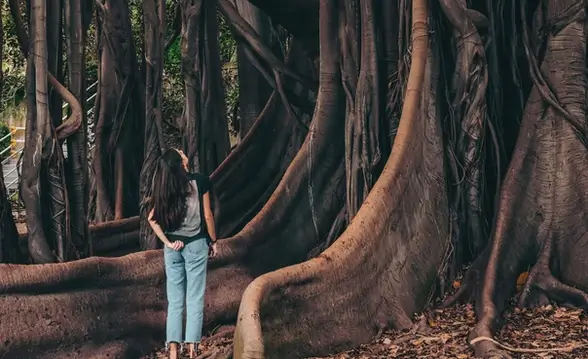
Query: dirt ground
442	334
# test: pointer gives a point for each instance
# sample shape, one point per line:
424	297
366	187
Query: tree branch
74	121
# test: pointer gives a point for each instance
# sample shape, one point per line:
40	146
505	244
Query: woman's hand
213	251
176	245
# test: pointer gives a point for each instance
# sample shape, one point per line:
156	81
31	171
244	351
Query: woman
180	200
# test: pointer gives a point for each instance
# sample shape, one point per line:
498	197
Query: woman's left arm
209	217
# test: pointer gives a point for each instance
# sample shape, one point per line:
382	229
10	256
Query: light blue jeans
186	281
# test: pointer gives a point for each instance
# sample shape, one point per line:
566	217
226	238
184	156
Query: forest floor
442	334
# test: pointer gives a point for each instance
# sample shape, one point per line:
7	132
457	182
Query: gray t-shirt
193	224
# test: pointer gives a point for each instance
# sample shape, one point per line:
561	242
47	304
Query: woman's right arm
177	245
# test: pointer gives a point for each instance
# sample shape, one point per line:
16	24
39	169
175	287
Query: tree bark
108	238
543	202
154	20
77	169
206	136
265	153
381	294
256	90
38	136
364	125
468	109
48	194
55	56
119	115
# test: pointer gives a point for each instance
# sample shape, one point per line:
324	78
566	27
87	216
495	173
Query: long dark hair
171	187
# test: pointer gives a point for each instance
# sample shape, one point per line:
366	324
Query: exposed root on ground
568	349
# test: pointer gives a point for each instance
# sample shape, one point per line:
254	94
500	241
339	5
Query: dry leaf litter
442	334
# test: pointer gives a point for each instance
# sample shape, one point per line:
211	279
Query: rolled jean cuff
167	343
195	343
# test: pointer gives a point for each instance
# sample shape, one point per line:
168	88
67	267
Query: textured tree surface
443	133
119	115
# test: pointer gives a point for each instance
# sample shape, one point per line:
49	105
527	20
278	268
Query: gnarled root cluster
542	214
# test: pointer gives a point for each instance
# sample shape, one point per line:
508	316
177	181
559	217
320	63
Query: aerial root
486	347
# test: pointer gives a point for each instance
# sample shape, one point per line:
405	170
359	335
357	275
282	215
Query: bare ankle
173	351
193	350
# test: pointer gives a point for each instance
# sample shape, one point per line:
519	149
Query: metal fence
11	164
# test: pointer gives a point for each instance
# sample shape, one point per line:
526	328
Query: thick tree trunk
54	56
542	205
470	134
43	188
154	20
38	137
206	135
364	132
77	169
118	155
376	256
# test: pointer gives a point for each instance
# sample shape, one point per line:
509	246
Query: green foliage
91	57
173	83
13	65
230	73
227	44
